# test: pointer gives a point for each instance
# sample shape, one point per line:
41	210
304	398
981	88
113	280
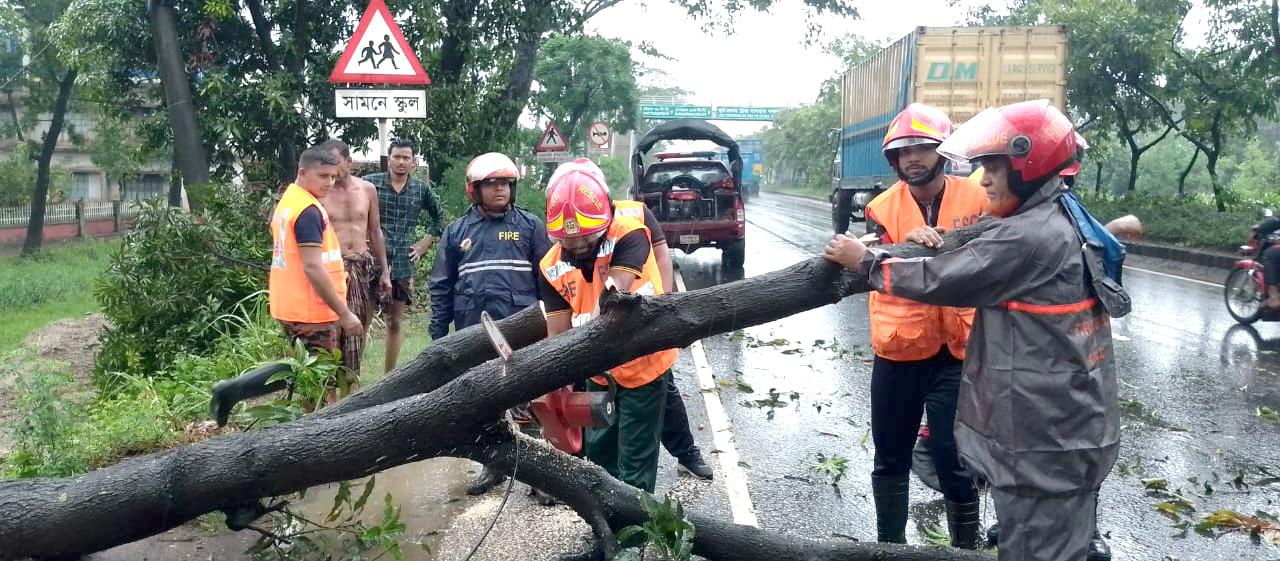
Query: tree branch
262	27
1150	145
589	490
142	496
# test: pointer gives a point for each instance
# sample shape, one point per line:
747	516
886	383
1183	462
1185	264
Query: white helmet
491	166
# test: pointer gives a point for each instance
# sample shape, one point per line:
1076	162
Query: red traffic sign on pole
552	140
599	134
378	53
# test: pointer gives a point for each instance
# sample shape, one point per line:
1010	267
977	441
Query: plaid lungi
359	268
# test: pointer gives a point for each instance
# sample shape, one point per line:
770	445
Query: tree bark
13	114
511	102
591	491
373	431
35	224
459	31
193	162
1182	179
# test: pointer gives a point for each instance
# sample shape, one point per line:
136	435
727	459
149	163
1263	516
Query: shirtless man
352	205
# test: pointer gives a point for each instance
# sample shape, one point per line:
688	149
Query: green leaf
342	497
364	497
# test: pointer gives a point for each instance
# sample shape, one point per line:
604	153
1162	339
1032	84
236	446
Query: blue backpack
1093	233
1103	256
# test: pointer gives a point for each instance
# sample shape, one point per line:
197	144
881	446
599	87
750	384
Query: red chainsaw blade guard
556	426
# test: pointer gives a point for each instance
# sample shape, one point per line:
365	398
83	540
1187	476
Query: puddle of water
429	494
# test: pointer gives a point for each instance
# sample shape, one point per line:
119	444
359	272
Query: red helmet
1074	169
917	124
1036	137
490	166
578	202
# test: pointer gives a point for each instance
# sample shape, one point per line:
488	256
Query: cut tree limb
592	492
389	424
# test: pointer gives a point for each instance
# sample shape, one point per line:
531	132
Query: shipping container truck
961	70
752	165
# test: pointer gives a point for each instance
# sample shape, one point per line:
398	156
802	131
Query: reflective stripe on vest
902	329
291	296
629	209
584	297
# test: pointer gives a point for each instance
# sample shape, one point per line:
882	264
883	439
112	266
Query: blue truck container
752	164
961	70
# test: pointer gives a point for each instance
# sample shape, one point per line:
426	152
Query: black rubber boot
696	466
488	479
964	524
891	498
1098	548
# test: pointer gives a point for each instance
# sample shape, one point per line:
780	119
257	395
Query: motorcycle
1245	291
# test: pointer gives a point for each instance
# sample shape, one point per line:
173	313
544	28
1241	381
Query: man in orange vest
595	250
919	348
307	286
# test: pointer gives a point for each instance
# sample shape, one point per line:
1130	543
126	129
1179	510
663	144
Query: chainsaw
563	414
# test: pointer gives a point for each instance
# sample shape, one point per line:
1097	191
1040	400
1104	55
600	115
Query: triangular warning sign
552	140
378	53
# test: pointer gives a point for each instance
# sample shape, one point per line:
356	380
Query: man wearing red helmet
1038	416
919	348
595	250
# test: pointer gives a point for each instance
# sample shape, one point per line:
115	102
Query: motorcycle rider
919	349
1269	254
1038	413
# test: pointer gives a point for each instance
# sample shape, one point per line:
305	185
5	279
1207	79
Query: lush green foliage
583	78
177	274
18	178
1192	221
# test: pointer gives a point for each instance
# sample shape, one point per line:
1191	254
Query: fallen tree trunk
151	494
591	491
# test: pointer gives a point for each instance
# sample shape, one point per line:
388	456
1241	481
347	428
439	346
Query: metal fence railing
67	213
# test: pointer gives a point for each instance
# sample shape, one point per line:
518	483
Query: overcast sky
765	61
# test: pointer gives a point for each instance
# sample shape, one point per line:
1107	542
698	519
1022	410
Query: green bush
176	274
1192	221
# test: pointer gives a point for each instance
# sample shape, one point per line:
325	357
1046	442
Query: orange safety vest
906	330
290	292
584	297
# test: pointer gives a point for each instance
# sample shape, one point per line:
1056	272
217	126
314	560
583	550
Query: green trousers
628	450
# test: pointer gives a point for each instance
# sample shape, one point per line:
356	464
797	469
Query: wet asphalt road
1191	383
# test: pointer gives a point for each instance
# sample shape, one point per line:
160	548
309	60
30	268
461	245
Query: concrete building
88	180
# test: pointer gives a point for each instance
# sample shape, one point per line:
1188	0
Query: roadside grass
55	284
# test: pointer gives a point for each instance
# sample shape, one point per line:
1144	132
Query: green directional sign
648	111
660	112
727	113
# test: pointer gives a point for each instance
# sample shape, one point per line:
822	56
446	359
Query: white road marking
1158	273
735	481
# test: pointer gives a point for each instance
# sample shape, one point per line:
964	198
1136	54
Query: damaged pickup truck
696	197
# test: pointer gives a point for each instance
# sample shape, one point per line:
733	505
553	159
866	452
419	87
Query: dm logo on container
958	72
